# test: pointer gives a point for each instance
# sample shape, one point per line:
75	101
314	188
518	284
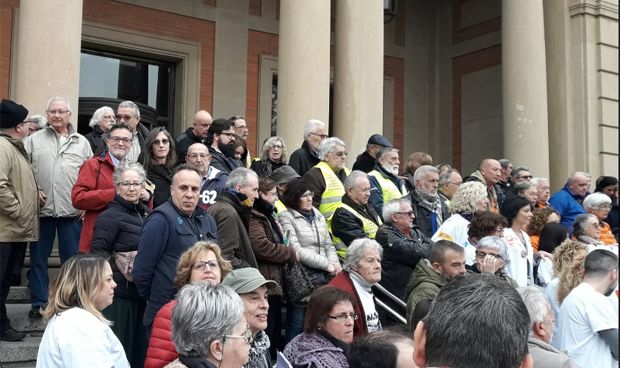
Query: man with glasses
213	180
221	143
129	113
56	154
306	157
197	133
520	174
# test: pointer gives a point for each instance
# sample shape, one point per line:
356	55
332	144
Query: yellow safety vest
280	207
368	227
334	190
388	188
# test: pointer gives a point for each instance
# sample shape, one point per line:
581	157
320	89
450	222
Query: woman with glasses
202	262
599	205
209	329
159	162
328	331
117	234
587	230
492	257
273	157
102	120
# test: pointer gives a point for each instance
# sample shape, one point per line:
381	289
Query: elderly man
213	180
56	153
354	219
385	184
445	262
449	181
568	200
221	140
19	205
429	209
308	156
231	212
506	169
541	329
403	246
543	190
366	160
128	112
171	229
489	173
197	133
470	303
520	174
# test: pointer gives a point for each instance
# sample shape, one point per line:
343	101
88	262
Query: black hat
284	175
379	140
511	206
11	114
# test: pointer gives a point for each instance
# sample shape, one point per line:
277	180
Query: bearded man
429	208
385	184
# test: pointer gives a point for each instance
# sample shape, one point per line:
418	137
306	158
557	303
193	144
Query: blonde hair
80	279
187	259
568	267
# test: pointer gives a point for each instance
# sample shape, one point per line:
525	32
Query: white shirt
519	254
76	338
368	303
455	230
551	292
583	313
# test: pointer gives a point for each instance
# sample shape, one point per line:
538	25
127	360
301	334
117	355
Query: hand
490	264
330	268
42	197
543	254
145	195
337	268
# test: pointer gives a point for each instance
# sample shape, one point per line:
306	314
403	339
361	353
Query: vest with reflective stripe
368	227
388	188
334	190
280	207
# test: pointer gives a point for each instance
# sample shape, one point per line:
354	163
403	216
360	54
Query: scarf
431	201
258	349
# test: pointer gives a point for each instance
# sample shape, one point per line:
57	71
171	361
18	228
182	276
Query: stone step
18	314
20	353
18	295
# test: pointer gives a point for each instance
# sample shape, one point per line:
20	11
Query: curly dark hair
485	223
539	219
294	191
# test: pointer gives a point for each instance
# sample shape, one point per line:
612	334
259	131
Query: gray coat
547	356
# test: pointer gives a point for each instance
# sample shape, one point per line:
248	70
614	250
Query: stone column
303	67
524	85
47	50
358	79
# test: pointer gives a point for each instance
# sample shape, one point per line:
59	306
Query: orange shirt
534	239
606	235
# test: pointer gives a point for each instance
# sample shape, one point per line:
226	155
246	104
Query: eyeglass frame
248	336
339	318
481	254
213	265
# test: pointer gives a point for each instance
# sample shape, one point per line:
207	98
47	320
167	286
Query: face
602	211
403	219
336	158
239	152
202	122
531	194
360	192
184	191
429	183
126	114
270	197
58	115
236	350
105	295
611	191
206	268
491	171
505	172
579	185
485	253
315	138
547	325
523	216
390	162
241	128
256	308
553	217
522	176
275	152
305	201
343	331
119	143
453	184
107	120
452	266
370	265
592	228
482	204
200	157
161	146
544	191
250	189
130	186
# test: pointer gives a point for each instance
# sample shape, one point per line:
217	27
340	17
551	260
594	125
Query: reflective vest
280	207
368	227
388	188
334	190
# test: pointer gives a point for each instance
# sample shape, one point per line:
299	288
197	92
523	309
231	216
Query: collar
358	279
115	161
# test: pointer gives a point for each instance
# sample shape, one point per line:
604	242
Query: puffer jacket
161	350
424	284
19	197
56	167
311	239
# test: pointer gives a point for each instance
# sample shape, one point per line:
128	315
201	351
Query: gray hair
58	98
39	120
515	172
351	179
504	162
494	243
98	115
422	171
131	105
385	150
329	144
240	176
391	207
537	180
269	144
523	186
581	224
203	314
311	126
467	196
574	175
595	200
355	252
128	166
535	302
444	177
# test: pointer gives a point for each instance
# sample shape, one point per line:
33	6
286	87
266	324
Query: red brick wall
6	27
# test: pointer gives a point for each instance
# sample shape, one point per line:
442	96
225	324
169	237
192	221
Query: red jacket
92	192
343	282
161	349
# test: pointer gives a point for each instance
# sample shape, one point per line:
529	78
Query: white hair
355	252
391	207
311	126
535	302
422	171
98	115
58	98
595	200
132	105
240	176
351	179
329	144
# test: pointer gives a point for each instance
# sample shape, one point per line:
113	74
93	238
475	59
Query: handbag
297	283
124	263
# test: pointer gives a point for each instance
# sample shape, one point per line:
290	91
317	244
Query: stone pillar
303	67
47	50
524	85
358	79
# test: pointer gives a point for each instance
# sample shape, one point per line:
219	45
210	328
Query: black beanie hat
11	114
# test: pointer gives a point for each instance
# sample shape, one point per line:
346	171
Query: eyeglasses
121	139
481	254
202	265
247	336
344	317
307	195
278	146
410	213
130	184
322	136
341	153
528	177
229	134
124	117
606	207
59	112
196	155
161	141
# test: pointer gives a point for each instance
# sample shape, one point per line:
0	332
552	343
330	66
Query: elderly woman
360	271
209	329
273	157
77	334
599	205
159	162
102	120
328	331
608	185
587	230
469	198
540	217
202	262
527	190
544	191
492	257
307	233
117	234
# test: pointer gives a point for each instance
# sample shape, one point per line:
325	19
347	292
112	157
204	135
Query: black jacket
95	138
349	227
423	214
364	162
303	159
160	176
400	256
223	163
264	168
184	140
117	229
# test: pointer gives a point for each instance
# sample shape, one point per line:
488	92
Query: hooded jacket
424	284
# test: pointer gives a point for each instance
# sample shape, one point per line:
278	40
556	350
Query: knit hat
511	206
11	114
246	280
284	175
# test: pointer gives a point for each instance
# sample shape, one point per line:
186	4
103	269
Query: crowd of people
190	252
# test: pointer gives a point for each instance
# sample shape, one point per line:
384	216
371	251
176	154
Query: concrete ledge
23	352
